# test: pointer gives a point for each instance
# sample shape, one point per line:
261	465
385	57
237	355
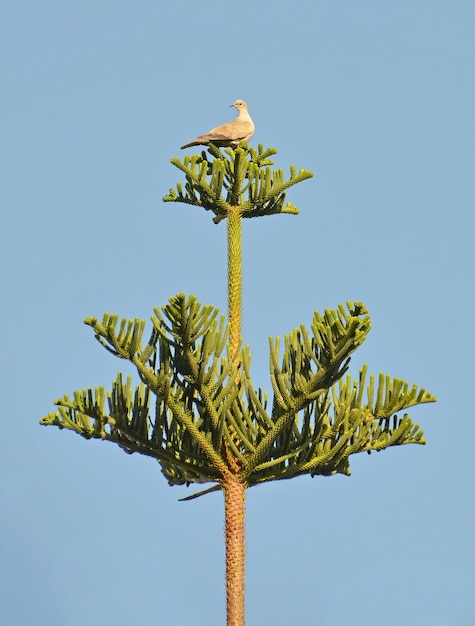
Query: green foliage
196	402
196	410
244	179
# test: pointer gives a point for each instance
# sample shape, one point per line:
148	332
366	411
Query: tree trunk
234	278
234	498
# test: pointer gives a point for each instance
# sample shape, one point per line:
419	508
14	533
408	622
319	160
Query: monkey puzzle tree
196	410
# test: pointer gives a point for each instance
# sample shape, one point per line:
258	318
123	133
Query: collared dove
230	134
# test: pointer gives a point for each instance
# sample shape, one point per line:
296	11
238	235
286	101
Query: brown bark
234	498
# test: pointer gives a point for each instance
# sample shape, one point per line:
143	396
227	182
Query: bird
229	134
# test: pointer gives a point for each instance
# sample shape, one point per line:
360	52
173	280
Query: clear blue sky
377	99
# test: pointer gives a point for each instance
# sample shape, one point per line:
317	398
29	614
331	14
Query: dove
230	134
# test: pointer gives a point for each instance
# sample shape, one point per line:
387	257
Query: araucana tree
196	410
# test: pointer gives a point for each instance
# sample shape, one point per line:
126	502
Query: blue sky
377	99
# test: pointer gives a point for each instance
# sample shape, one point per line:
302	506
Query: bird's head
240	105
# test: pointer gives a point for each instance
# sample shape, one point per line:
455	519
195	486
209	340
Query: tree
196	410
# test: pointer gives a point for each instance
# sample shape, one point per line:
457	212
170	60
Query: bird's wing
226	133
229	132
